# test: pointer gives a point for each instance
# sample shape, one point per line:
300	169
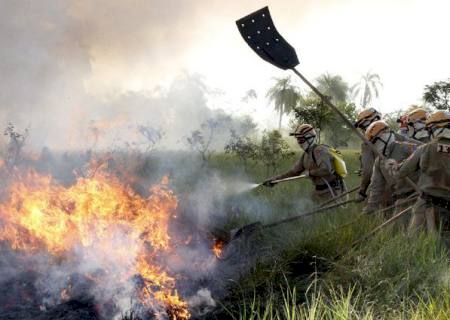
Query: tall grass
392	275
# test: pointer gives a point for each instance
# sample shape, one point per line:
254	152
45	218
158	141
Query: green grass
309	270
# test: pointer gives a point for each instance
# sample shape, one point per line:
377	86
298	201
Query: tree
312	110
243	147
15	145
438	95
366	89
152	136
200	140
250	94
333	87
273	149
284	96
336	131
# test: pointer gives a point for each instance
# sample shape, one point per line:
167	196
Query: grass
392	275
308	269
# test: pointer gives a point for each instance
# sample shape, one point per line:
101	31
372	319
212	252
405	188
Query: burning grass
99	223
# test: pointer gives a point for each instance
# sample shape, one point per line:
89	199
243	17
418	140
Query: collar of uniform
311	148
390	148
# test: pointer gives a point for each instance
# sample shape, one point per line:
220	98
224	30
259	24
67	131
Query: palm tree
333	87
284	96
367	89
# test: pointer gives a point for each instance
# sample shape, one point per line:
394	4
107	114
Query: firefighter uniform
317	162
383	178
433	160
368	157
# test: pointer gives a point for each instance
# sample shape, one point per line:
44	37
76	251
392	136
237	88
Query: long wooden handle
348	122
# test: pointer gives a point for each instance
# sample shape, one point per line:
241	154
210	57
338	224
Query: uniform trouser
423	213
324	195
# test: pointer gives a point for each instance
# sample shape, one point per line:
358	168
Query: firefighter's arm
376	187
367	161
401	138
295	171
411	164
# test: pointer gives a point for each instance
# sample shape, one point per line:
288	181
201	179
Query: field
306	269
309	270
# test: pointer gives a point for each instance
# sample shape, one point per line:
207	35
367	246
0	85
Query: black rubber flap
260	33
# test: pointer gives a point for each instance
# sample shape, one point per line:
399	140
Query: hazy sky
62	59
404	41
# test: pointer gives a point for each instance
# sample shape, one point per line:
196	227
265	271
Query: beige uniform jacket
318	162
368	157
433	161
382	176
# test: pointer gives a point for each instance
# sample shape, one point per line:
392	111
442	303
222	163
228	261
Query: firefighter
433	160
403	125
416	125
383	177
317	162
364	119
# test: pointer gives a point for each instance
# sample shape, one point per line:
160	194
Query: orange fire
218	248
107	220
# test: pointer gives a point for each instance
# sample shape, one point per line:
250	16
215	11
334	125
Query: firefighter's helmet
440	119
304	130
366	117
375	129
418	114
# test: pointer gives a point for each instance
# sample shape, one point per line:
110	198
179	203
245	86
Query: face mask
383	141
366	123
417	130
441	133
306	143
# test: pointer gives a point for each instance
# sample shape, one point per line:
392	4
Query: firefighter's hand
391	165
360	196
269	183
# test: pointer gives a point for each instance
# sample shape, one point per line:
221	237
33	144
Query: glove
269	183
391	165
361	196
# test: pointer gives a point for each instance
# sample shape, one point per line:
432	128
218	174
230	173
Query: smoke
63	67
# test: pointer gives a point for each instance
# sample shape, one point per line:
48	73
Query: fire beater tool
258	226
259	31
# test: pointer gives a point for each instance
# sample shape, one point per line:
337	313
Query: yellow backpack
338	161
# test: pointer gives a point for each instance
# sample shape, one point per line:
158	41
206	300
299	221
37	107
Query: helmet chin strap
307	145
422	133
418	132
441	133
385	142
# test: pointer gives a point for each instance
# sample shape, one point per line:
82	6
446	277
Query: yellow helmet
440	119
302	130
418	114
375	129
366	117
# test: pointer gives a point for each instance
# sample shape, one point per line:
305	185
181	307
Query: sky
404	41
70	58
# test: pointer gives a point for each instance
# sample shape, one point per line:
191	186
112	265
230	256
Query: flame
218	248
100	214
